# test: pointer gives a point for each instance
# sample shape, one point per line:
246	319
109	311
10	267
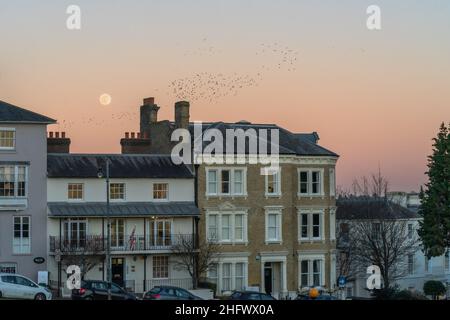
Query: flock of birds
211	86
214	86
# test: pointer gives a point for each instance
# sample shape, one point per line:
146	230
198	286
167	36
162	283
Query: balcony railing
97	243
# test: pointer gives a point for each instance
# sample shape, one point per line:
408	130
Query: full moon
105	99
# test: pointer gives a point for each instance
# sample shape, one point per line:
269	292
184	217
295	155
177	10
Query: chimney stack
182	114
149	113
135	143
57	144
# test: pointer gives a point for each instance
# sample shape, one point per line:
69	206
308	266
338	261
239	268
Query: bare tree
85	253
372	230
196	260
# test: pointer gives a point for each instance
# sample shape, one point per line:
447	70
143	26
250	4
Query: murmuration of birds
211	87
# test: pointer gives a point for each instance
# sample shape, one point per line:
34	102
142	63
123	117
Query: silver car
14	286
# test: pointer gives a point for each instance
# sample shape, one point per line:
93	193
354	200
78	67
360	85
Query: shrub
434	288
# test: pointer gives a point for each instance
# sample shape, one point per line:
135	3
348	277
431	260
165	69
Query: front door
268	277
117	268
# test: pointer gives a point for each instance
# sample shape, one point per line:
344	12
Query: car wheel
40	296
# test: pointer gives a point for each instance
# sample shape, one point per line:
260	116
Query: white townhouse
152	207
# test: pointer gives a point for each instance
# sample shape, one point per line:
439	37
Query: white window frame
232	181
311	258
8	265
16	181
124	192
310	212
167	191
232	227
24	246
277	191
278	212
168	266
233	261
14	139
310	183
82	191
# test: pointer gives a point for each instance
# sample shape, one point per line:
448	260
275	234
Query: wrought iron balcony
96	244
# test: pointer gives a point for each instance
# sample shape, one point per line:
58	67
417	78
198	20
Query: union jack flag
132	240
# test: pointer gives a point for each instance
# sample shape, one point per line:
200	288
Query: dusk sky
377	98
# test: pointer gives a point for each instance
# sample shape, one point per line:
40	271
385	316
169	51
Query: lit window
117	191
273	183
7	139
13	181
160	267
75	191
160	191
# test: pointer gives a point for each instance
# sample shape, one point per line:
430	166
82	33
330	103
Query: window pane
212	227
304	225
226	276
303	182
225	181
316	272
239	227
75	191
316	182
117	191
160	267
212	182
160	191
7	139
226	227
304	272
316	225
238	182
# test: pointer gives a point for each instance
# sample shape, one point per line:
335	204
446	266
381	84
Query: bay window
13	181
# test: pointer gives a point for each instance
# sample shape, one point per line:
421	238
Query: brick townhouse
277	232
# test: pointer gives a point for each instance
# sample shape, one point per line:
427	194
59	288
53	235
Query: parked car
169	293
98	290
15	286
250	295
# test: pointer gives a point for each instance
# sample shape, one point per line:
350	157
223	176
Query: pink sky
377	98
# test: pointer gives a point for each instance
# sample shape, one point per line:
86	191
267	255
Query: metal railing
97	243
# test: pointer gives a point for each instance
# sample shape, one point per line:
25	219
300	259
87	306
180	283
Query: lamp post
108	224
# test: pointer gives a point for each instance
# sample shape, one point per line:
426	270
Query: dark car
169	293
98	290
250	295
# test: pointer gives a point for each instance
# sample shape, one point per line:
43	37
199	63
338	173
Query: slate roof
121	166
126	209
13	114
301	144
366	208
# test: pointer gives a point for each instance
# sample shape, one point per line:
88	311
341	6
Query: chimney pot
138	135
149	101
127	135
51	134
63	134
182	114
132	135
57	134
